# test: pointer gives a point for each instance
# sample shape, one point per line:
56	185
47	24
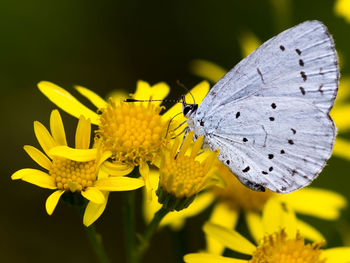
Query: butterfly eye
187	109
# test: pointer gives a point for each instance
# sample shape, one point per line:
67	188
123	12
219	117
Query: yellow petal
342	148
144	172
66	101
78	155
38	178
336	255
52	201
198	92
344	89
340	115
248	42
342	8
91	96
309	232
83	133
119	184
316	202
224	216
117	169
210	258
229	238
57	128
103	157
276	216
94	195
207	70
93	211
38	156
255	225
118	95
20	173
145	92
44	137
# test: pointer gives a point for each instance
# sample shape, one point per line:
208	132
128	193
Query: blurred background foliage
109	45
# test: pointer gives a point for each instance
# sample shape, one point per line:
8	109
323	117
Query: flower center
238	196
72	175
277	248
133	132
182	176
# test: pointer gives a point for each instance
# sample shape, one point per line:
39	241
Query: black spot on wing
228	162
298	51
294	131
320	89
303	75
282	48
283	152
245	139
273	106
301	62
246	169
270	155
238	114
302	90
271	118
263	172
271	169
201	123
290	142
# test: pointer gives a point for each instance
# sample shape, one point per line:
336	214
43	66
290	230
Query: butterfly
269	115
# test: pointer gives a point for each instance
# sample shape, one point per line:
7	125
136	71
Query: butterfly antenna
184	87
134	100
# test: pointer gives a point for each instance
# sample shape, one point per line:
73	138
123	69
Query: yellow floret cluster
183	176
278	248
132	132
72	175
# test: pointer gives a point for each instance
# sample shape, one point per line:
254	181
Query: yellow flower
72	170
136	132
342	8
182	176
280	241
236	199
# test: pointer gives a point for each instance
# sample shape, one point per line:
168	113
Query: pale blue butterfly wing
269	115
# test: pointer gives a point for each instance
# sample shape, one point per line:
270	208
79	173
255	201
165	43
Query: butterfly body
269	115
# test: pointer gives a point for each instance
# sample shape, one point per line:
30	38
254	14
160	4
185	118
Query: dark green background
108	45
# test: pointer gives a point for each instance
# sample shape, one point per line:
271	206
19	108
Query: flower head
135	133
278	247
74	170
279	242
181	175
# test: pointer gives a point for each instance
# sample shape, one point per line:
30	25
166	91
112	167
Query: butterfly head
188	109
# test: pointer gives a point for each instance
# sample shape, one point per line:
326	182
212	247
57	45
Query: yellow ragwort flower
279	242
135	132
182	177
75	170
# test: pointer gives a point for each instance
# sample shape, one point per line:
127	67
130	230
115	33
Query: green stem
150	230
95	238
96	242
129	226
